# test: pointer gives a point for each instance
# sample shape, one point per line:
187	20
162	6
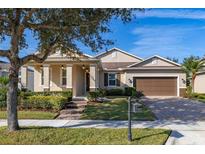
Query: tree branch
4	53
51	27
4	18
25	21
39	58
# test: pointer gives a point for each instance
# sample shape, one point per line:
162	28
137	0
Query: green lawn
114	110
81	136
201	100
31	115
113	97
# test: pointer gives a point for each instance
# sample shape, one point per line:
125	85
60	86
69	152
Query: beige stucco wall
37	79
118	57
127	76
55	84
155	62
199	86
78	81
30	84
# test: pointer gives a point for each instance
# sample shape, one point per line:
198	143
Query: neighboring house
199	84
29	79
155	76
4	68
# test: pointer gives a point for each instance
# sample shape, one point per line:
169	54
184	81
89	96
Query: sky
175	33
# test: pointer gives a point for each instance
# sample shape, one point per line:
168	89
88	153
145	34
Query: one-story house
199	84
4	68
115	68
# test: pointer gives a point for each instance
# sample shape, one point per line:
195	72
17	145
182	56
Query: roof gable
58	54
117	55
156	61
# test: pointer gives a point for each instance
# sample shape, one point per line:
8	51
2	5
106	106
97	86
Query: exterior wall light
83	67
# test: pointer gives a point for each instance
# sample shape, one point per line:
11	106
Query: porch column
69	74
93	77
46	78
24	76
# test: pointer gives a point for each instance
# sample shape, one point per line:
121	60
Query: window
63	77
42	77
112	79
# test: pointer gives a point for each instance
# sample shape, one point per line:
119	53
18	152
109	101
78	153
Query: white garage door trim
177	76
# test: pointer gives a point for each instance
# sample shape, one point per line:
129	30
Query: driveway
176	109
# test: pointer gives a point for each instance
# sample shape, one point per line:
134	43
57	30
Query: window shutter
105	79
118	79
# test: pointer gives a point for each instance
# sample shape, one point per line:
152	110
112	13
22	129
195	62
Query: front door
87	79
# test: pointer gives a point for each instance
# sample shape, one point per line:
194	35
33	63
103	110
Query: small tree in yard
54	29
191	66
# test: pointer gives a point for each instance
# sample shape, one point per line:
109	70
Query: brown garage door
157	86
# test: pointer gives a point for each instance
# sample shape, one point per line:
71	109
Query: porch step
76	104
72	111
79	99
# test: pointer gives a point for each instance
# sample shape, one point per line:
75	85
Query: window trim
112	79
61	77
50	76
41	70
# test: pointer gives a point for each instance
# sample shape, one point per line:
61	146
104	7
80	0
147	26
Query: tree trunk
12	99
193	85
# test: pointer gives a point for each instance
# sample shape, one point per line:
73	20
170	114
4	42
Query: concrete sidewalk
183	132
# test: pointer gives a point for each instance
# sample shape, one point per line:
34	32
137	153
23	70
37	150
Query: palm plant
191	66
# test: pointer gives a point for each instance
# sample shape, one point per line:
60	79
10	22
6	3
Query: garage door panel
157	86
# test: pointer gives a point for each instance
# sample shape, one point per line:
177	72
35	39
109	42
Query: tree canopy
58	28
55	29
191	66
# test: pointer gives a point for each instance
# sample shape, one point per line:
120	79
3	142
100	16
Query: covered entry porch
80	77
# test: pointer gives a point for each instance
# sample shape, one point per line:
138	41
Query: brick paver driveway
176	109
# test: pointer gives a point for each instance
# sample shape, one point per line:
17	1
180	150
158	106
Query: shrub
194	95
45	102
4	81
93	95
24	95
114	92
189	92
139	94
102	92
3	97
3	91
201	96
129	91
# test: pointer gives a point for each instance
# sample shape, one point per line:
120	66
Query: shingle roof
113	65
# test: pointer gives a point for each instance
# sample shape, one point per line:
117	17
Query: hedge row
67	94
39	100
3	97
128	91
45	102
199	96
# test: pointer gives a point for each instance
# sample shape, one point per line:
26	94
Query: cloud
173	13
165	40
